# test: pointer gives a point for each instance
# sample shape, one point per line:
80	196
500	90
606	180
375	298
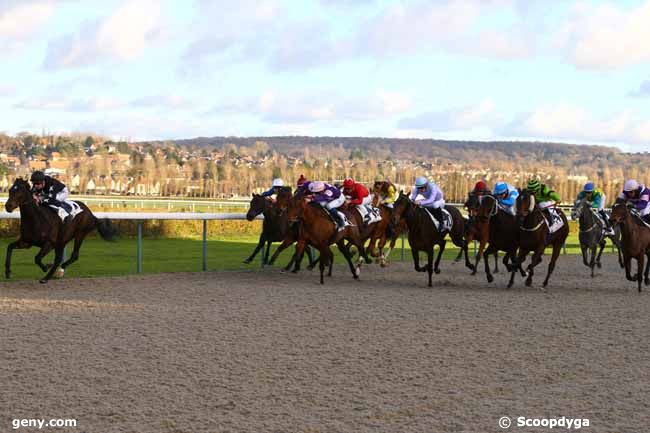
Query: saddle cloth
369	214
346	221
75	210
556	222
446	226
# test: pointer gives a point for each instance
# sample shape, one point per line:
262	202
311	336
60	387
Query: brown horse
424	235
275	227
41	226
636	241
493	224
318	229
366	231
474	232
534	236
385	232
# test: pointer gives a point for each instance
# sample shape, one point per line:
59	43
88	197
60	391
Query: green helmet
534	186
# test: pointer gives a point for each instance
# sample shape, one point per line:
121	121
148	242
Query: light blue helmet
589	187
500	188
421	182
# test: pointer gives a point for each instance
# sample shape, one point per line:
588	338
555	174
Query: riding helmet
421	182
589	187
317	186
533	185
500	188
630	185
348	183
38	176
278	182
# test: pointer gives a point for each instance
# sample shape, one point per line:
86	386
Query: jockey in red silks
357	195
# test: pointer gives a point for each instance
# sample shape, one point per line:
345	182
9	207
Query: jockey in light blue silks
596	198
506	196
433	199
275	188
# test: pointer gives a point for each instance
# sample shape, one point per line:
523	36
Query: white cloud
606	36
22	20
71	104
568	122
168	101
481	115
122	36
643	91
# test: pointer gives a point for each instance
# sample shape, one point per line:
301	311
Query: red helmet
348	183
302	179
480	186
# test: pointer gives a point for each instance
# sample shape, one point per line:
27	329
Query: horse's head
620	212
283	197
296	206
472	204
19	194
487	208
257	206
401	207
525	203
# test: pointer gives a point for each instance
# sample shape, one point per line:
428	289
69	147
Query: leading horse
635	241
40	226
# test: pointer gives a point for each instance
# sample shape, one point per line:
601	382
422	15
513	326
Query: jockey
596	197
275	188
506	196
358	195
433	198
481	189
50	191
386	192
545	197
330	198
639	195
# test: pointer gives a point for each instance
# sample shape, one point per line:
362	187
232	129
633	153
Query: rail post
204	264
139	248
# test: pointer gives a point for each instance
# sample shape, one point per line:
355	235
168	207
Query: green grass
100	258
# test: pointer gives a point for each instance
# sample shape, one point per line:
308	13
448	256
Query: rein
541	223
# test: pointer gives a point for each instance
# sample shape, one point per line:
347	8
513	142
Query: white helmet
277	182
630	185
317	186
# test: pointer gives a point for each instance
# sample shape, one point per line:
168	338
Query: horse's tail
106	229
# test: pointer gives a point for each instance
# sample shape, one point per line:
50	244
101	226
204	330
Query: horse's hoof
529	282
473	272
356	277
60	273
436	270
647	281
310	268
599	265
246	262
42	281
295	271
490	278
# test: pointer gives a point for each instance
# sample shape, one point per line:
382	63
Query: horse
493	224
534	236
591	235
385	232
318	229
41	226
424	235
370	231
275	227
477	232
635	241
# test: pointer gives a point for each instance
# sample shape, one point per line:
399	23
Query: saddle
369	214
447	220
68	207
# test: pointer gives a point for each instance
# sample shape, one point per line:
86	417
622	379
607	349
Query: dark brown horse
424	235
534	236
385	232
318	229
493	224
41	226
480	233
635	241
275	227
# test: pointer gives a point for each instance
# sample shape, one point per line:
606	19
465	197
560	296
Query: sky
572	71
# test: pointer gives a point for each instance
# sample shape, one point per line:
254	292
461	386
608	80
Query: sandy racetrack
266	352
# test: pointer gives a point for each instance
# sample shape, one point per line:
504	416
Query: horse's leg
592	261
265	259
310	255
42	253
441	249
325	257
481	248
487	253
300	250
284	245
628	267
346	253
557	249
496	261
19	244
600	253
583	248
430	264
58	258
647	268
260	245
640	269
416	259
78	240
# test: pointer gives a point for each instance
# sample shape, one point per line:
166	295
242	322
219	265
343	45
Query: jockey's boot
437	214
609	230
337	219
